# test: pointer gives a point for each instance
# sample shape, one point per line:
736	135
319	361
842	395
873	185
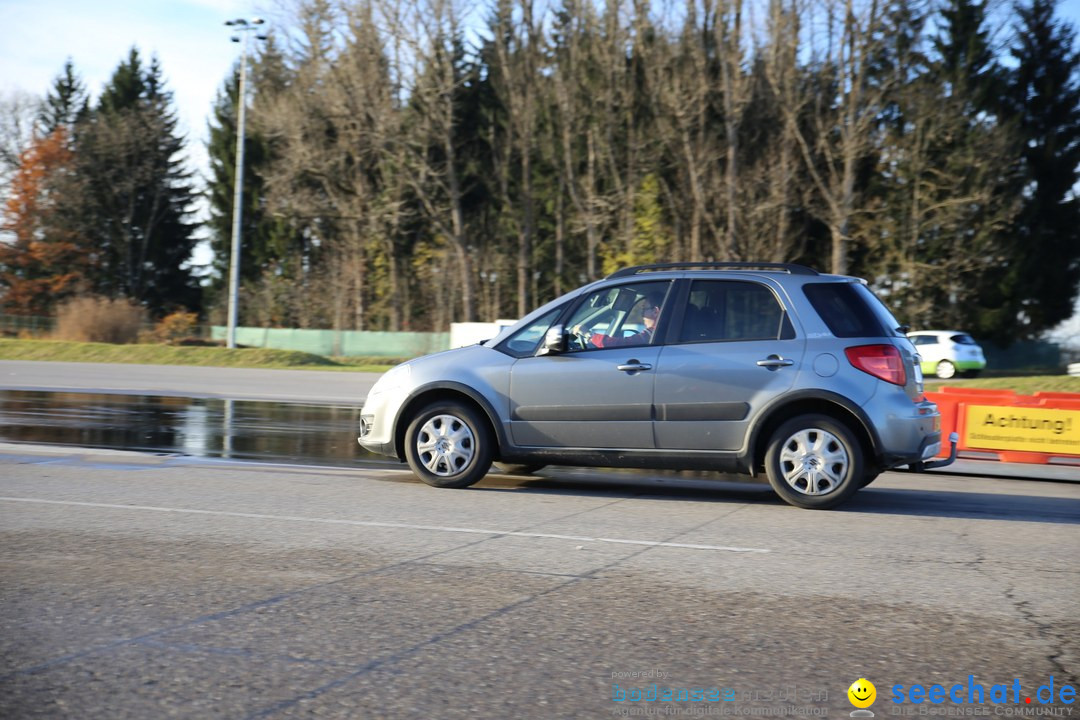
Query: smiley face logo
862	693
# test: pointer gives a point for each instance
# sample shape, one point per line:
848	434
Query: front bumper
373	438
387	449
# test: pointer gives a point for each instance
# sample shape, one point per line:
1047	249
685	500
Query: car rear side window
724	310
963	339
850	310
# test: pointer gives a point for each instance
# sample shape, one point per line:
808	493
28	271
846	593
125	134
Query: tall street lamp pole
242	28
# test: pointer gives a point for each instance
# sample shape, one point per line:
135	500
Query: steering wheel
582	337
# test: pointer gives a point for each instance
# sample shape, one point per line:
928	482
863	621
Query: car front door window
620	316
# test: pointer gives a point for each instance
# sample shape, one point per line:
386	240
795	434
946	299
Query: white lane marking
369	523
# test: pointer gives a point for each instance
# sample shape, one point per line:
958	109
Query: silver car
734	367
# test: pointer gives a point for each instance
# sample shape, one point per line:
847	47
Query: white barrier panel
462	334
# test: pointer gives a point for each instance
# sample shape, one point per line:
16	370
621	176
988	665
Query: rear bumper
954	438
909	432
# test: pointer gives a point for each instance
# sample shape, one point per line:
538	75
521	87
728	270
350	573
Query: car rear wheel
970	373
814	462
448	445
945	370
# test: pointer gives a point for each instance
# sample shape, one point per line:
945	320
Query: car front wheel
448	445
814	462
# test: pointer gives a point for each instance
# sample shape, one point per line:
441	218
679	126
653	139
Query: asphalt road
135	586
143	587
298	386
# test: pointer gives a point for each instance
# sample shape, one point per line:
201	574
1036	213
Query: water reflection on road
200	427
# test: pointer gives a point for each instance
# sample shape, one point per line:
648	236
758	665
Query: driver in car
649	314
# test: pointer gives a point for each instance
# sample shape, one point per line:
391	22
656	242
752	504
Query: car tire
970	373
449	445
869	477
515	469
945	370
814	462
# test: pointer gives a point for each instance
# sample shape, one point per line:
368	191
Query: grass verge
1023	385
59	351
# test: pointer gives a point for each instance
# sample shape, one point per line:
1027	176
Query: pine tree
132	194
966	246
966	63
1044	104
258	249
946	186
65	104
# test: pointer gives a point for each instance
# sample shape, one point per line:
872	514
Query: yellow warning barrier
1039	428
1043	430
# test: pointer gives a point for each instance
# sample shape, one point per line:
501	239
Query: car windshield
525	340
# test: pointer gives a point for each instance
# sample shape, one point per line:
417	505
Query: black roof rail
790	268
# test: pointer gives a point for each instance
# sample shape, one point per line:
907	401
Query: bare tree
686	99
771	233
517	55
578	121
431	33
842	115
734	85
334	128
18	112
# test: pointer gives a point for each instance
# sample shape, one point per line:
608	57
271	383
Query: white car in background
947	353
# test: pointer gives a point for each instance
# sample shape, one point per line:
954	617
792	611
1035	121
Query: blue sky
188	36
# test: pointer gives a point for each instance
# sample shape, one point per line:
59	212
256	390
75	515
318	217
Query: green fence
341	343
1023	354
25	325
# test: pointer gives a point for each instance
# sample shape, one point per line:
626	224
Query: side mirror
554	341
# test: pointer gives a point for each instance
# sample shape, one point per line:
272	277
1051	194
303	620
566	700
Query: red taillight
881	361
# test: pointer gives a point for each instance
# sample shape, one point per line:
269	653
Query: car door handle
775	361
634	366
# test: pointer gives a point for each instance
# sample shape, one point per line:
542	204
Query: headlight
392	379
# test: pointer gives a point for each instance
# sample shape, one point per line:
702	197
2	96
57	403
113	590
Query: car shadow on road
967	505
882	501
631	487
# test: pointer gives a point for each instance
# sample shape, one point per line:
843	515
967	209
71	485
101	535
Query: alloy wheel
814	461
445	445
